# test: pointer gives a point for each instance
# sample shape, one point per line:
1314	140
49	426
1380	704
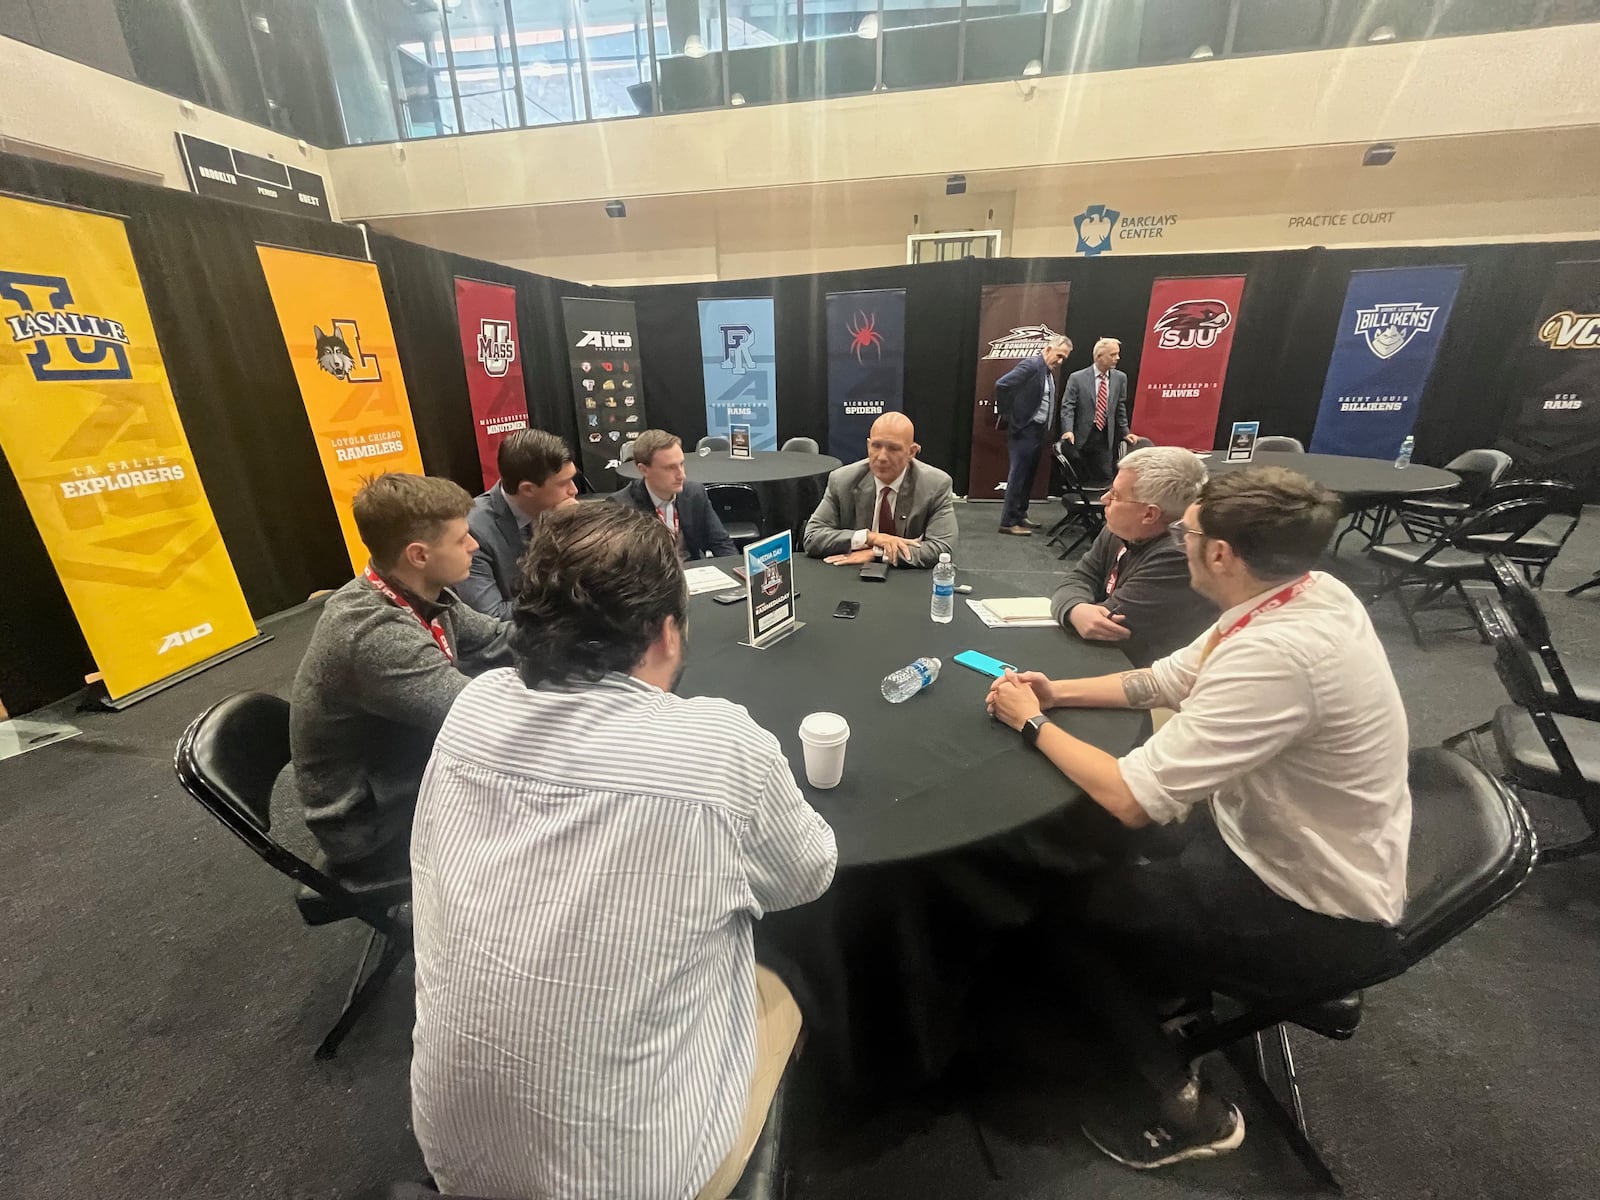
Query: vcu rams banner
1016	321
1188	336
738	357
90	428
1554	427
336	327
866	365
1389	335
493	353
603	351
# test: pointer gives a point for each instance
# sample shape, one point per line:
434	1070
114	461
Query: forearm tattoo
1140	689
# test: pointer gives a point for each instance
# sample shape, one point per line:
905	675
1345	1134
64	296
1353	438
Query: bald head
890	446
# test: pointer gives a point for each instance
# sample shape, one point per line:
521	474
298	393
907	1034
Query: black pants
1139	934
1097	460
1023	446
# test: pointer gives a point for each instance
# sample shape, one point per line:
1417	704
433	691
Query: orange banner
336	326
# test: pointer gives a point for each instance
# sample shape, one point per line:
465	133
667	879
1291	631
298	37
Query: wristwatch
1031	727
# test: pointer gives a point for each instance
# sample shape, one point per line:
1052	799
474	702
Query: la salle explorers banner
738	361
603	350
487	313
1016	321
1389	335
336	328
1188	337
866	365
90	428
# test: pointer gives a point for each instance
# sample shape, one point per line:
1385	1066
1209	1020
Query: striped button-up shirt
587	863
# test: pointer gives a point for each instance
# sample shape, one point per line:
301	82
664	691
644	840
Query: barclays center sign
1102	228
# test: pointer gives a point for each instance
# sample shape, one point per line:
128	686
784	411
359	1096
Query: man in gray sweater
390	652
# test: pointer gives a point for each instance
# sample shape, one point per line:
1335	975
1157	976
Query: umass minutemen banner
866	365
738	360
1389	335
603	350
492	350
1554	427
1188	336
336	327
1016	321
90	428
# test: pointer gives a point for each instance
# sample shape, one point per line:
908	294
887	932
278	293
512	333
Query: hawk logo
1094	225
65	346
1389	328
1569	330
496	348
736	343
339	354
1024	341
1191	323
605	339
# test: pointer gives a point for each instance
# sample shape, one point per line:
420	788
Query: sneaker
1031	523
1217	1129
1017	530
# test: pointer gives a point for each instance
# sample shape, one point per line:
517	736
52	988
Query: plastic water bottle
944	591
1404	459
908	681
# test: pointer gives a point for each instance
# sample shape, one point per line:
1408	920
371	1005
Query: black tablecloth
1359	481
789	482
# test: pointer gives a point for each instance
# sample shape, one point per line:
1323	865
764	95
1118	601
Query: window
763	51
548	61
1002	39
921	43
1272	26
839	56
1377	21
689	54
485	73
1177	30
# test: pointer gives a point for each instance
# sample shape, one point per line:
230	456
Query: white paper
994	622
709	579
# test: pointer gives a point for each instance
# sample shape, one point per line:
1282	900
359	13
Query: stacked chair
1429	516
1081	511
1538	548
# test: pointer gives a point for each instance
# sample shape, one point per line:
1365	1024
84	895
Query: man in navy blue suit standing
1027	395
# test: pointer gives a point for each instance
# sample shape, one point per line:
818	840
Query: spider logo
864	335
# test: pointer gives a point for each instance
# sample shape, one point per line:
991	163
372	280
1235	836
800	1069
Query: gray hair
1167	476
1103	342
1058	340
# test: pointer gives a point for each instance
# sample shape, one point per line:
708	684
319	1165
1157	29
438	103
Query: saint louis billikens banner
487	313
91	430
1389	334
1188	337
738	358
866	365
603	349
336	328
1016	321
1556	388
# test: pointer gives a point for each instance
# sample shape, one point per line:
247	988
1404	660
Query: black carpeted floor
159	1000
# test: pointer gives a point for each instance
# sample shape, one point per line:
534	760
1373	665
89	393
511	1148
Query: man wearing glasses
1291	731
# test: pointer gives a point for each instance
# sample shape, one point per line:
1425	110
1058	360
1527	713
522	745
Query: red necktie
885	512
1100	405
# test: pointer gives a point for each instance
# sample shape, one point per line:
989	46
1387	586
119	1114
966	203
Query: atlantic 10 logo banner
1188	337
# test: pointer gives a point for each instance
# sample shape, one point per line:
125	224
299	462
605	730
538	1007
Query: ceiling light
955	185
1203	52
1034	67
737	99
868	28
1060	6
1383	33
1378	155
616	208
693	46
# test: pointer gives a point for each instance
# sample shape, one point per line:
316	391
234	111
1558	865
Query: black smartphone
848	609
729	597
875	572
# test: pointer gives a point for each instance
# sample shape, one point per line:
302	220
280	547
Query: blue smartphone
983	664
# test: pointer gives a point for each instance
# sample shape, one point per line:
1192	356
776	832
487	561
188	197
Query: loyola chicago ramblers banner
337	329
487	313
90	428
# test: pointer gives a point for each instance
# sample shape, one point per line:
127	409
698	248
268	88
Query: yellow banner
336	326
90	428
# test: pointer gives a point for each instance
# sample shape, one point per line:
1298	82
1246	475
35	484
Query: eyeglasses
1180	532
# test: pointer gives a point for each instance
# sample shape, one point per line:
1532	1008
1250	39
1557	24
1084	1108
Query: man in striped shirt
588	856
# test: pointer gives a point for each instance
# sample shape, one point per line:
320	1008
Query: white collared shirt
858	539
664	508
1295	731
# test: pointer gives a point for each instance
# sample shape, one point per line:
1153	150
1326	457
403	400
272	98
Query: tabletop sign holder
769	590
739	441
1242	441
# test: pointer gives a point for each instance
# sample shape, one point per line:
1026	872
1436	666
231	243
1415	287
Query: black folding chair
738	506
228	759
1281	442
803	445
1538	548
711	442
1429	516
1572	689
1082	511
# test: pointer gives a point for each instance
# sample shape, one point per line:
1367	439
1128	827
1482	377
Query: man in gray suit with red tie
1026	397
1094	414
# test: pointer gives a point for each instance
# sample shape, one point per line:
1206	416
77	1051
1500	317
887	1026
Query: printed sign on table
769	579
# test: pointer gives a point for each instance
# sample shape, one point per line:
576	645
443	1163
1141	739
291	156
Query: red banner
1015	321
1187	338
493	353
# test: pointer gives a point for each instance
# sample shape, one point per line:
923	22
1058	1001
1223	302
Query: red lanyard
1277	600
433	627
1111	579
662	514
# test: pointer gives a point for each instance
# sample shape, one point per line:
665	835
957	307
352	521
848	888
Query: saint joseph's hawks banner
603	349
1389	335
738	358
90	428
1188	336
866	365
337	329
1554	428
487	313
1016	321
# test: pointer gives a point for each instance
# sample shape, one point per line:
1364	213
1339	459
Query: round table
788	482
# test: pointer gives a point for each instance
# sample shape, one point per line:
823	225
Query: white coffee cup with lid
823	737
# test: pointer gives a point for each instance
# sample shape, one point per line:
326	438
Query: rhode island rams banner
738	357
1389	335
493	353
1015	321
1188	336
866	365
603	350
336	327
1554	426
89	426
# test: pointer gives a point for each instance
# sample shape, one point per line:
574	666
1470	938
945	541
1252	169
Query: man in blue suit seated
1026	396
677	502
536	473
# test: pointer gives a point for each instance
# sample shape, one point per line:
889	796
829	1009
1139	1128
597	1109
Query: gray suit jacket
492	584
925	509
1077	406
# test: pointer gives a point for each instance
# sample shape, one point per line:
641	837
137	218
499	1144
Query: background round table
1359	481
789	482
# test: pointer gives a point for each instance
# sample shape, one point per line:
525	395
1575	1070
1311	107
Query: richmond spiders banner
738	360
492	351
866	365
1015	321
1188	336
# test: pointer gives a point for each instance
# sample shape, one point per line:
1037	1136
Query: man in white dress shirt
1290	730
589	854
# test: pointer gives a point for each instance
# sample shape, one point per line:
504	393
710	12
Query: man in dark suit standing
1094	415
536	473
1026	396
664	492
